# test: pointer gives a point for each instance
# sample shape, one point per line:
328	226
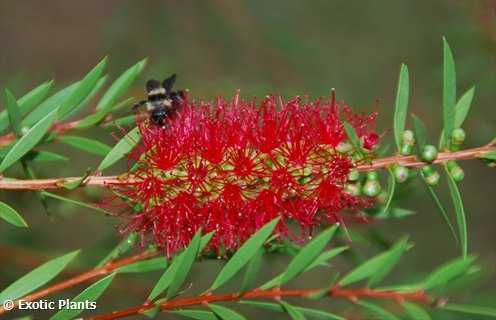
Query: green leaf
401	105
415	312
90	294
74	184
72	201
124	121
470	309
491	155
185	263
123	147
225	313
420	133
87	99
353	137
310	313
83	89
154	264
252	270
28	141
27	102
50	104
8	214
167	277
244	254
124	246
377	267
37	278
449	90
308	254
390	260
14	113
447	272
394	213
391	190
85	144
459	212
196	314
461	110
45	156
293	313
379	311
442	211
326	256
120	86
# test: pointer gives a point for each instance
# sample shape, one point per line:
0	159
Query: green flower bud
431	176
372	175
353	189
401	174
406	149
429	153
371	188
458	136
353	175
408	137
455	171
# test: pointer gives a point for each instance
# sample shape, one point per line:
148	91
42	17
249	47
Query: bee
162	102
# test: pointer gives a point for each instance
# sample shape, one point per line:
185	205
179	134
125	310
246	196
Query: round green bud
428	170
429	153
457	173
353	175
372	175
408	137
406	149
451	164
353	189
433	179
401	174
458	136
371	188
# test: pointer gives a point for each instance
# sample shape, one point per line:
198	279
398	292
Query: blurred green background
261	47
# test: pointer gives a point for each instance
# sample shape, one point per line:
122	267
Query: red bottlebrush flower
232	166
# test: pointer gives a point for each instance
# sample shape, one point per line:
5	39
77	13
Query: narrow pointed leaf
83	89
167	277
460	213
27	102
85	144
72	201
45	156
28	141
449	90
447	272
123	147
244	254
379	311
89	97
14	113
471	309
153	264
185	264
461	110
252	270
415	312
37	278
353	137
390	260
293	313
120	86
196	314
325	256
308	254
441	210
124	246
47	106
90	294
225	313
375	265
310	313
420	133
401	105
8	214
391	190
124	121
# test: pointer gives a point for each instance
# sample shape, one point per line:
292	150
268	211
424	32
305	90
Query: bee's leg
139	105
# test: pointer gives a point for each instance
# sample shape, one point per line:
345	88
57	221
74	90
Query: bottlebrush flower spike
232	166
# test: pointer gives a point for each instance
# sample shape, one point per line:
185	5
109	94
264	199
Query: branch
273	294
406	161
84	277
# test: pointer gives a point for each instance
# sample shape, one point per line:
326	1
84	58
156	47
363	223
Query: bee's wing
152	84
169	83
